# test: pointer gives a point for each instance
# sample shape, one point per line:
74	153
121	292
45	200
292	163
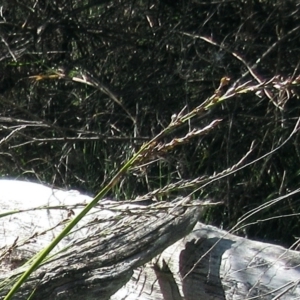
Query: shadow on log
122	250
212	264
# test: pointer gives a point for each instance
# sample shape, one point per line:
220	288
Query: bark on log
105	248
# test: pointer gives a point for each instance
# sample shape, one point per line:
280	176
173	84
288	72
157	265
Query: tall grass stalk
148	152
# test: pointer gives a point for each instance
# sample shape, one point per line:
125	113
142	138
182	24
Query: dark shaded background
156	57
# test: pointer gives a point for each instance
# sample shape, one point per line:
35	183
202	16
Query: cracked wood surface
131	252
99	256
212	264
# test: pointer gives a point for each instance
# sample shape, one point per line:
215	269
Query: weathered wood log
98	257
132	252
212	264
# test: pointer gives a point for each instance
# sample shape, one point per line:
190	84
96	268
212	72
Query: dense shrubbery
84	84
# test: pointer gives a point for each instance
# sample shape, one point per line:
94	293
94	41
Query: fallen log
98	257
127	251
212	264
